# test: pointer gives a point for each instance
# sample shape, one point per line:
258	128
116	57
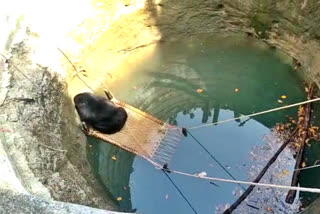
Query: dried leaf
306	89
114	157
315	127
300	110
285	172
199	90
300	119
268	209
283	96
119	198
134	87
311	129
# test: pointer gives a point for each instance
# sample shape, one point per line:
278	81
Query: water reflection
167	86
113	167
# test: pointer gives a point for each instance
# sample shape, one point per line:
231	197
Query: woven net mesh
144	135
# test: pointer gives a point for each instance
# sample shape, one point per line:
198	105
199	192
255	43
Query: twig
261	174
75	69
299	159
49	147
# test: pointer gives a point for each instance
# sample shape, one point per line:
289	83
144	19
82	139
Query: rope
216	160
164	171
75	69
302	189
177	188
308	167
256	114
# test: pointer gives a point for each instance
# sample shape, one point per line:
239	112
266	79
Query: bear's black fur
100	113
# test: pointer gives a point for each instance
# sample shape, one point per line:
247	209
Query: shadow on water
167	86
113	173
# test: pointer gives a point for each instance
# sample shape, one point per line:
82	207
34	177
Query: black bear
100	113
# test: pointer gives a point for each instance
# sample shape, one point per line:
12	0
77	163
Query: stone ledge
11	202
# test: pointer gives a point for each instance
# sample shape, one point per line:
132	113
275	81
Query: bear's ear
108	94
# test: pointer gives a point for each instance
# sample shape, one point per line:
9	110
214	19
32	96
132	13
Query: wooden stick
304	136
261	174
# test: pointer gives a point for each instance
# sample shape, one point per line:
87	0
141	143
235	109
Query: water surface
236	76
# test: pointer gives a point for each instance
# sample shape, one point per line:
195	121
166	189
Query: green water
165	85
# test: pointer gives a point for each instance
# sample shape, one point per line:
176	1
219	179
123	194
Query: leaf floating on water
199	90
280	101
167	196
236	90
285	172
119	199
283	96
114	157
